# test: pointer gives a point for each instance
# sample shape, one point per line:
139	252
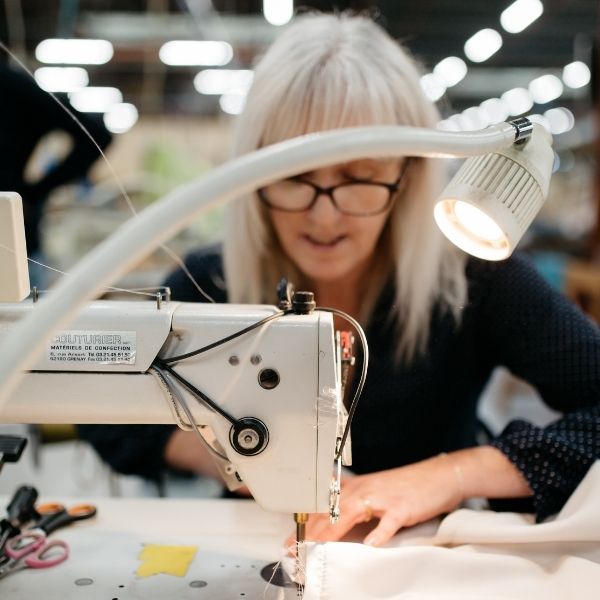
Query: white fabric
472	555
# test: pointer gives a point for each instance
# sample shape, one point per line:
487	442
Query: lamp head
492	199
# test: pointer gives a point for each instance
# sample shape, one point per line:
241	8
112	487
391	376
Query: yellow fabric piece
170	560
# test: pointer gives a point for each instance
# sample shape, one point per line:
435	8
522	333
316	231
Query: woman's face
325	244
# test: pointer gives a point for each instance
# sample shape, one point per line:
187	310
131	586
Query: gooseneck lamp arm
139	236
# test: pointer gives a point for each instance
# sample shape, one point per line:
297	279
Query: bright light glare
560	119
74	52
482	45
221	81
477	222
195	53
450	124
576	74
121	117
61	79
471	119
545	88
521	14
518	101
450	71
540	120
433	88
233	102
278	12
95	99
494	110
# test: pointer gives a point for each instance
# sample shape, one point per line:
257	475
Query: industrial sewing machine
272	397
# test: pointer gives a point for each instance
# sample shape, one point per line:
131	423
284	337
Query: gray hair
327	72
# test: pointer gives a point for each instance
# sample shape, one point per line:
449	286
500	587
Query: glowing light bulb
477	222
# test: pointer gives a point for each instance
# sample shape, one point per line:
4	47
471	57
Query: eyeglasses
356	198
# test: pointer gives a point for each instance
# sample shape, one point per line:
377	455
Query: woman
361	236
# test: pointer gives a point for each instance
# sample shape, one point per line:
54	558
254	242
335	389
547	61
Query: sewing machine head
277	389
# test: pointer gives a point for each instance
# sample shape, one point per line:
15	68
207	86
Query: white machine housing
97	371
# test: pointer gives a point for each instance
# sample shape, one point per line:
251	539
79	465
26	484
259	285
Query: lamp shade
492	199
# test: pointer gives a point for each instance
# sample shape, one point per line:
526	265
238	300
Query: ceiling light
74	52
278	12
495	110
576	74
433	88
540	120
221	81
545	88
560	120
450	71
520	14
450	124
482	45
61	79
233	102
517	100
95	99
471	119
195	53
121	117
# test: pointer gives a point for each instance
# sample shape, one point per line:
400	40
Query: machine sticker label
97	347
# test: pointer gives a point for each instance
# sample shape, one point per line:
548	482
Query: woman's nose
324	209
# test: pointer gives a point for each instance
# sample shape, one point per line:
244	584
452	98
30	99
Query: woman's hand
409	495
398	498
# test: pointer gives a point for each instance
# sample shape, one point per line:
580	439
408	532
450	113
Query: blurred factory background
167	78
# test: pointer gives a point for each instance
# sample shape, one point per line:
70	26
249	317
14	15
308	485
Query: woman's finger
387	527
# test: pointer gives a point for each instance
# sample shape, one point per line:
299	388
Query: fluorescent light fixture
221	81
492	199
433	88
61	79
195	53
560	120
121	117
494	110
517	100
74	52
545	88
576	74
449	124
471	119
278	12
233	102
520	14
95	99
540	120
450	71
480	46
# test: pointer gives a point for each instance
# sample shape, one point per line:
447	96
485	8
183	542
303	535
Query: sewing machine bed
234	540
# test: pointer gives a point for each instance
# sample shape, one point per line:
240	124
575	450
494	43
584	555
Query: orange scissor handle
49	508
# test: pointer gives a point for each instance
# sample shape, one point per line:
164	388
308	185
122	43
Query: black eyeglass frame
328	191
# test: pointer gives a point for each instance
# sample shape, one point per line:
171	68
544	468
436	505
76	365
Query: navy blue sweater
409	413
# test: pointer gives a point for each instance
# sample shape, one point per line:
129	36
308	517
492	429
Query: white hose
139	236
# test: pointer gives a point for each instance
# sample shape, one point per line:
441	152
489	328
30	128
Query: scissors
53	515
31	550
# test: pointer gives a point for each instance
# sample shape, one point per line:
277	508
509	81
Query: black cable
171	359
202	397
163	363
178	398
363	374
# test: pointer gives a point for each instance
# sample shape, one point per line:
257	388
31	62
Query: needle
300	519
